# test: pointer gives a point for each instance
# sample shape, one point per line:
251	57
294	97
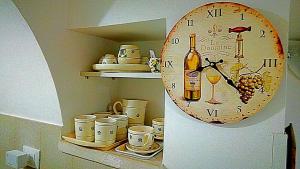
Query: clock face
222	62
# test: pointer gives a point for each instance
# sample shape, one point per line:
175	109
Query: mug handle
147	138
115	107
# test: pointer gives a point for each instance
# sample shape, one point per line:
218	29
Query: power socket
34	156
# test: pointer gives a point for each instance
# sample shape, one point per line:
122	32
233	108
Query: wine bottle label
192	80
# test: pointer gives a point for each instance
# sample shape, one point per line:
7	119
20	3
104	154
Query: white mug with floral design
105	131
84	127
122	125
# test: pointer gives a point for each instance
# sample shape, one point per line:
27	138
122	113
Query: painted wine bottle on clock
192	78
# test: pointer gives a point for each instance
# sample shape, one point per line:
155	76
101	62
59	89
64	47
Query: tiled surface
28	133
7	138
49	138
15	132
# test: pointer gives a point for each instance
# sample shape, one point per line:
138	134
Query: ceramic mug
129	51
85	127
141	137
105	131
158	125
129	103
122	125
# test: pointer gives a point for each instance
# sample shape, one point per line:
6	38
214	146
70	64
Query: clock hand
201	68
229	81
214	65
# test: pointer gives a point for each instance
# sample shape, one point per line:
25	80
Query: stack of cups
85	127
134	109
122	125
102	131
158	125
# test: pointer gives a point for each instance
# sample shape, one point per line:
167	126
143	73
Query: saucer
159	137
155	147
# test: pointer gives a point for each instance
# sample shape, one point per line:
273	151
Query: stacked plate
129	54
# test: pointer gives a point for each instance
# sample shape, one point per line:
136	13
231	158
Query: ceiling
295	20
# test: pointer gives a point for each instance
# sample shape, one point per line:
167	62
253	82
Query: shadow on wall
67	53
89	13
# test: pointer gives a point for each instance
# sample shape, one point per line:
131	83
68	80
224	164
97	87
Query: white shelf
149	30
137	75
110	158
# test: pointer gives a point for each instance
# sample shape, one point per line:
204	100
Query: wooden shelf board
149	30
111	157
138	75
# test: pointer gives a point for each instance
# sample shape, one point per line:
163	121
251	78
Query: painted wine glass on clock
222	62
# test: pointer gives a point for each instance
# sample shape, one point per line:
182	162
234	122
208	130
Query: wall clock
222	62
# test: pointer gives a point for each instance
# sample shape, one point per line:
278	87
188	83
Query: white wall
67	53
293	92
294	33
27	89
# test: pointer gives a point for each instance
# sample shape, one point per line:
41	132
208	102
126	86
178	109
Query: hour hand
211	64
200	68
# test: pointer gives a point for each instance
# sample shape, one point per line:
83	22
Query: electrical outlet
34	156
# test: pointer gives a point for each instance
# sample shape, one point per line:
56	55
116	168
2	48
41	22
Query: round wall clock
222	62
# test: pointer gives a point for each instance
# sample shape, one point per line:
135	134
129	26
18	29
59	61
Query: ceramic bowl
109	61
109	56
129	51
123	60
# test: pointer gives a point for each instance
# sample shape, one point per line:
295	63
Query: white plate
121	67
155	147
